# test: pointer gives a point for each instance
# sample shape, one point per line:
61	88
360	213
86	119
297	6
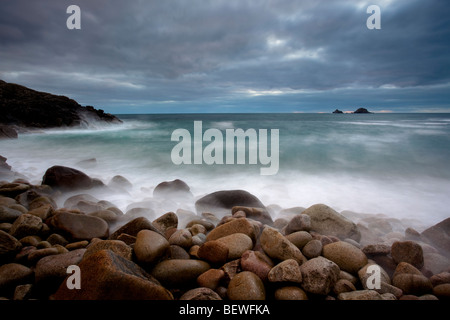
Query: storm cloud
232	56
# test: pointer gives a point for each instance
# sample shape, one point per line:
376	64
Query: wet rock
240	225
213	251
439	235
80	226
237	244
222	202
51	270
176	189
120	182
182	238
441	278
286	271
412	283
327	221
211	278
165	222
257	262
276	246
360	295
177	252
23	292
13	189
8	215
36	255
246	286
175	272
442	291
312	249
67	178
343	285
319	275
13	274
290	293
150	246
299	238
258	214
407	251
116	246
7	132
9	245
200	294
348	257
376	249
107	276
134	226
300	222
25	225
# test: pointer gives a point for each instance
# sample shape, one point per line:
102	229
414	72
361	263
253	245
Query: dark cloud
172	56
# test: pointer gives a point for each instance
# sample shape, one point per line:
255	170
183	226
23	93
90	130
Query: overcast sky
144	56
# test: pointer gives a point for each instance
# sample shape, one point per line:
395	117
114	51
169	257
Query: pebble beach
239	252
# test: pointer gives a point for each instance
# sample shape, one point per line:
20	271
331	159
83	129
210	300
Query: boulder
118	247
150	246
51	270
179	272
286	271
319	275
257	262
80	226
9	245
439	235
237	244
412	283
25	225
239	225
348	257
407	251
13	274
329	222
213	251
133	227
246	286
300	222
172	189
165	222
67	178
107	276
222	202
276	246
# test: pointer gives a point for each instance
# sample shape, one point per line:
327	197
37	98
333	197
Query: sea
395	165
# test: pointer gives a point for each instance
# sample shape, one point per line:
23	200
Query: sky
152	56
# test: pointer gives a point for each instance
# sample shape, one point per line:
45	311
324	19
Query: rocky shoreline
23	110
231	249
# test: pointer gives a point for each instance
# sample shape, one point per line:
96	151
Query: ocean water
394	164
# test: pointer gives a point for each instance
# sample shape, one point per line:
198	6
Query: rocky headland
230	249
22	108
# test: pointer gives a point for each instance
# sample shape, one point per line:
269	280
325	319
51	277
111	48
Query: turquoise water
395	164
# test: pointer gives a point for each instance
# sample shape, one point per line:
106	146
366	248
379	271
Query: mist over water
394	164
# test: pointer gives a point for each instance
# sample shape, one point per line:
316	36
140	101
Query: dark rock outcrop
24	107
362	110
337	111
